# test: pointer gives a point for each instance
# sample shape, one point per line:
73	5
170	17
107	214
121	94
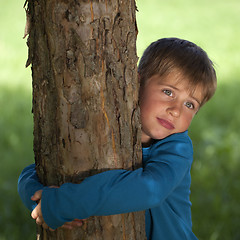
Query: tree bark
85	100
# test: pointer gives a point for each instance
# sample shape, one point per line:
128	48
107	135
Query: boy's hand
37	215
37	212
37	196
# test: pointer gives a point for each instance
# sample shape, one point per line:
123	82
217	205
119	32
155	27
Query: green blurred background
214	25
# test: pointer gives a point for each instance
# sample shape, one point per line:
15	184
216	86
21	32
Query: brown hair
167	54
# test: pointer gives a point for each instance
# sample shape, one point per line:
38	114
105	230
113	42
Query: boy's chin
162	136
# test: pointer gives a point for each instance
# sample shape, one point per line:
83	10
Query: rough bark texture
85	95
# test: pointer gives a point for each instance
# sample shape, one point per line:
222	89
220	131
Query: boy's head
168	54
176	79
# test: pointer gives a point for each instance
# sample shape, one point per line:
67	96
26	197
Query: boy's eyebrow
199	102
169	85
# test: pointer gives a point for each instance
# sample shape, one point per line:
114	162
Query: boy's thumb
37	195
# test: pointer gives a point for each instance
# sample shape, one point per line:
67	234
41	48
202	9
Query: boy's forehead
174	77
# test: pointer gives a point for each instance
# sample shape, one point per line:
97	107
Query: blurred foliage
15	153
16	122
214	25
215	178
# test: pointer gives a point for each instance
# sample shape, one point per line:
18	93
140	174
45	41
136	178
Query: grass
215	132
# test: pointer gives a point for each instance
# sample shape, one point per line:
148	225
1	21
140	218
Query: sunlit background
214	25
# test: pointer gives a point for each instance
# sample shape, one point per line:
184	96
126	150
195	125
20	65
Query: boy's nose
175	110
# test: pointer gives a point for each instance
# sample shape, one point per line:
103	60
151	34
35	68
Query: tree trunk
85	100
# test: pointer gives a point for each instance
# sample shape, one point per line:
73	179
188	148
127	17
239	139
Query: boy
176	79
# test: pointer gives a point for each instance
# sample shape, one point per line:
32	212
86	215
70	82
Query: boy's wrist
48	206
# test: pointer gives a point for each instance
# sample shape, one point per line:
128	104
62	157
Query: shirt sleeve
28	184
121	191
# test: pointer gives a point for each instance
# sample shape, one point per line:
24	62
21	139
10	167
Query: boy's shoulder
177	143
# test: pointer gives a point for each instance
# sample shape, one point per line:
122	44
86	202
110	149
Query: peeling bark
85	100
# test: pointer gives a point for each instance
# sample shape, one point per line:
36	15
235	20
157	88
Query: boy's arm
121	191
28	184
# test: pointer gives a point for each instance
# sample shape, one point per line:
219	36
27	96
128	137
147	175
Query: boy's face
167	106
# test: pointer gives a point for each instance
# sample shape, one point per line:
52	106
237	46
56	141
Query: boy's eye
189	105
167	92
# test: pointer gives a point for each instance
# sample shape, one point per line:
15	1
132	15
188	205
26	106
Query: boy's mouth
166	124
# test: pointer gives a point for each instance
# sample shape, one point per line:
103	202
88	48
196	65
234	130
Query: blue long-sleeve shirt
161	188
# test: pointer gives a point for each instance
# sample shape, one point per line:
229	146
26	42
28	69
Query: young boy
176	79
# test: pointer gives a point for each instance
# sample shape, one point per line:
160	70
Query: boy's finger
77	223
40	221
45	226
37	195
53	186
34	213
79	220
66	226
73	224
